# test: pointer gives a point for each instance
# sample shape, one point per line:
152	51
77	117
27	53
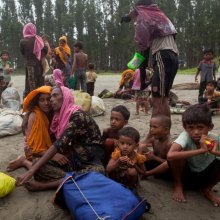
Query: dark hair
145	2
45	36
34	102
197	114
130	132
79	45
208	51
123	110
4	52
91	66
212	82
165	121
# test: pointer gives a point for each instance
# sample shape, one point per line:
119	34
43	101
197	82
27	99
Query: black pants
90	88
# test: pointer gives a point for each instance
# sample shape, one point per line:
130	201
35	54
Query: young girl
125	164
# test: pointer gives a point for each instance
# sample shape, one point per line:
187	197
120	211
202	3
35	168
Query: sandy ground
24	205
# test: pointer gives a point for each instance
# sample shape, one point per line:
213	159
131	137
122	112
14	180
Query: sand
24	205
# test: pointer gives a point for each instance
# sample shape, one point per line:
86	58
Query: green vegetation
191	71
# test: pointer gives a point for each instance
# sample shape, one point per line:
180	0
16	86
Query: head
45	38
29	30
208	54
62	41
160	126
4	55
128	140
91	66
119	117
58	77
56	98
49	80
78	46
211	86
197	121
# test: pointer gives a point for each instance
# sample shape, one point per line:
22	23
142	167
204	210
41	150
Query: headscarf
66	49
124	74
57	74
61	118
29	31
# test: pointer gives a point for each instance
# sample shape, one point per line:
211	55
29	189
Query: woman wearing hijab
30	47
63	57
78	136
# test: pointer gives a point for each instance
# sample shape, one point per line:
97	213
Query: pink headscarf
29	30
61	118
57	75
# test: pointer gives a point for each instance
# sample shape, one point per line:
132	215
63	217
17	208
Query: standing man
79	66
155	32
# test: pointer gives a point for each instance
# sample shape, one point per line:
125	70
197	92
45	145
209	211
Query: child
211	96
125	164
90	79
159	139
119	118
206	69
141	96
192	161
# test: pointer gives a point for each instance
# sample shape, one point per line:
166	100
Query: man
155	32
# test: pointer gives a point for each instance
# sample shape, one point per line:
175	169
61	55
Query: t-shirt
90	76
207	69
199	162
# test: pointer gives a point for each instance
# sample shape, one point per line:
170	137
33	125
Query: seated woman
78	137
36	130
125	85
63	57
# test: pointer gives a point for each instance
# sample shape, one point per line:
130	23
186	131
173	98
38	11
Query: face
4	56
126	145
76	49
117	120
208	56
195	131
56	99
157	130
62	43
210	87
44	103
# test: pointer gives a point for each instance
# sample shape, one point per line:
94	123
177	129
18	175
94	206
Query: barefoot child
159	139
192	161
125	164
119	118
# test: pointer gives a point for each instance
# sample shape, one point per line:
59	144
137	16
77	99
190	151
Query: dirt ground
24	205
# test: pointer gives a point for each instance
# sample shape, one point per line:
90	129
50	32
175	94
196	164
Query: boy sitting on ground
125	164
191	158
119	118
159	139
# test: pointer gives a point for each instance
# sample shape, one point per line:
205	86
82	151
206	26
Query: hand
124	160
150	155
24	178
60	159
203	145
61	49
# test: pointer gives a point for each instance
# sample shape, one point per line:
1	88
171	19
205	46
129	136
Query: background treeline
109	44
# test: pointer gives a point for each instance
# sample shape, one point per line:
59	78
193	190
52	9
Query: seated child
159	139
125	164
193	163
119	118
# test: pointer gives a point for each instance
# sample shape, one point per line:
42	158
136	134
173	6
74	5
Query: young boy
159	139
125	164
90	79
191	159
206	69
119	118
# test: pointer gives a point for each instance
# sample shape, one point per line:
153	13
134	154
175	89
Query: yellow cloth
123	76
66	49
136	159
39	138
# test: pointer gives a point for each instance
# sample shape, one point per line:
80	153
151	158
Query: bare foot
178	194
34	186
211	197
15	164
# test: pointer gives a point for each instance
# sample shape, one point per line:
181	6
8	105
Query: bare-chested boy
80	62
159	139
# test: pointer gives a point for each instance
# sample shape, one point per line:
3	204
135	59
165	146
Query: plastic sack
93	196
10	122
11	99
83	99
97	107
7	184
136	61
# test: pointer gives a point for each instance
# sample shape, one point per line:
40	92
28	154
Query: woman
63	57
36	130
30	47
78	136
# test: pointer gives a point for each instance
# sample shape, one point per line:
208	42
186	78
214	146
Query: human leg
137	106
162	168
35	186
83	80
21	161
160	106
202	87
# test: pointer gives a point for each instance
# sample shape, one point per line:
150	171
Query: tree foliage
96	23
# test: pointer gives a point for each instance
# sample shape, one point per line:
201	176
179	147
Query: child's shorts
197	181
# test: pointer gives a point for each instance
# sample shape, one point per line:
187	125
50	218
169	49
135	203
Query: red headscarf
61	118
29	31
